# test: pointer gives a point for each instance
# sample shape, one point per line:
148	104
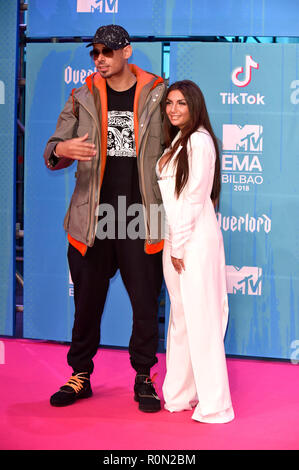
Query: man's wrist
56	155
53	159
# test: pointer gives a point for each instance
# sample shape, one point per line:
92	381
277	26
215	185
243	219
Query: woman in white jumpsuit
193	261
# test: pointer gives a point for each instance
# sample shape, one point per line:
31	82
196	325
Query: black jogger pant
91	274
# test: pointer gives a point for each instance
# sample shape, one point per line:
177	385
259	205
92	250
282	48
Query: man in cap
124	100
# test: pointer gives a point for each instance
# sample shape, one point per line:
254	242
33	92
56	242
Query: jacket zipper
141	172
150	113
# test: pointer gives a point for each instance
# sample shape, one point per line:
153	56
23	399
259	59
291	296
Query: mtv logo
102	6
248	138
246	280
2	92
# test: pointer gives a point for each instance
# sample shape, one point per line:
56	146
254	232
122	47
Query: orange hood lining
143	78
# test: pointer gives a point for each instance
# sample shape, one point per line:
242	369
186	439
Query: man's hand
76	149
178	264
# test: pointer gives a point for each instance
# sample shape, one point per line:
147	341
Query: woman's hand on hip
178	264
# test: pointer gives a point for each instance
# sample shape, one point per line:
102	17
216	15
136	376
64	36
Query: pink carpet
265	397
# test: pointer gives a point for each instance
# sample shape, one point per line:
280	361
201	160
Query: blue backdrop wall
8	66
252	93
164	17
252	96
53	70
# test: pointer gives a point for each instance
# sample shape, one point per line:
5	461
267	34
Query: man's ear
127	52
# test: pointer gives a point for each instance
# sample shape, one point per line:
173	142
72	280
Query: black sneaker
78	386
146	394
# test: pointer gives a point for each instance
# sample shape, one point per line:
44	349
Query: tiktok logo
242	98
249	65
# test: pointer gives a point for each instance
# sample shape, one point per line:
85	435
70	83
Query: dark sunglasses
106	52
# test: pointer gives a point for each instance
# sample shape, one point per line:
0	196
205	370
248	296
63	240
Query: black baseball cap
112	36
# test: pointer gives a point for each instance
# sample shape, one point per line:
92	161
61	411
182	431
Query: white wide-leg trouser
196	374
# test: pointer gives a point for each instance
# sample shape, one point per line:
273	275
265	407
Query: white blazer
184	213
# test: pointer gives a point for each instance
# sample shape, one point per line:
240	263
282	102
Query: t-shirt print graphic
121	139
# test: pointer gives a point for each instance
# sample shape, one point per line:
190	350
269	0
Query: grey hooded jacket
85	111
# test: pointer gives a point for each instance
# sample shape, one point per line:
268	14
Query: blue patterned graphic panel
252	95
164	17
53	70
8	61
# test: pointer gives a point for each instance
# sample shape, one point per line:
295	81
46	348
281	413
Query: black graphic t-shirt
121	174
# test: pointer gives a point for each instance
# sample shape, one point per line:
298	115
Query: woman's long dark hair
198	117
